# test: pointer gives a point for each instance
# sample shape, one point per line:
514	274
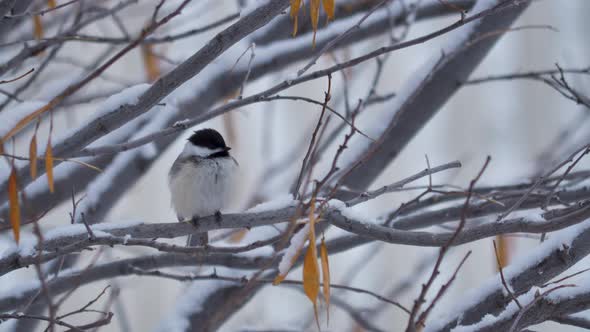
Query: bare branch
396	186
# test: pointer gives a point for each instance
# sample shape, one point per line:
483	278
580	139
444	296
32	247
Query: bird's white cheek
199	151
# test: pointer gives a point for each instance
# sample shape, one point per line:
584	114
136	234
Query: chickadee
200	179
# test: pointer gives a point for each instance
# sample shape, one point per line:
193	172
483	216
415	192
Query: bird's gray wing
180	161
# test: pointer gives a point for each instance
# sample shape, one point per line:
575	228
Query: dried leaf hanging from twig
14	204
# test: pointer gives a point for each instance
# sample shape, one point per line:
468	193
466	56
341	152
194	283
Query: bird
201	180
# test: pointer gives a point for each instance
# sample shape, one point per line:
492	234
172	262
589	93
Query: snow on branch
554	256
75	238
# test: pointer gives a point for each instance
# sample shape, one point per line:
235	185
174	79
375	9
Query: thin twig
44	11
412	325
4	316
123	40
534	74
540	180
88	229
252	55
96	324
327	97
422	318
399	184
244	280
18	77
87	305
565	278
454	7
567	171
313	101
504	283
538	297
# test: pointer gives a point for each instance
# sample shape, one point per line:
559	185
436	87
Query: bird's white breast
201	189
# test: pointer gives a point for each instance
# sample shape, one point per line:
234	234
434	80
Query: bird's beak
227	148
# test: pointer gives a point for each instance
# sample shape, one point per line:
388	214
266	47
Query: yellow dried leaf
51	4
32	116
329	8
151	62
325	276
49	165
14	204
295	6
314	10
503	250
79	162
299	240
295	21
311	270
37	27
33	156
238	236
278	279
311	277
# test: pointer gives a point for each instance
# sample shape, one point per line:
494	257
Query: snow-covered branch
76	238
357	186
562	251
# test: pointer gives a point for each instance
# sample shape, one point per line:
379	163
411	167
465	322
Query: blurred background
523	124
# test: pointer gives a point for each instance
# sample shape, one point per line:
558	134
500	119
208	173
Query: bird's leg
218	216
194	220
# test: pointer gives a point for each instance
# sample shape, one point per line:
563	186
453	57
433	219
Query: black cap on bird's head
212	140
